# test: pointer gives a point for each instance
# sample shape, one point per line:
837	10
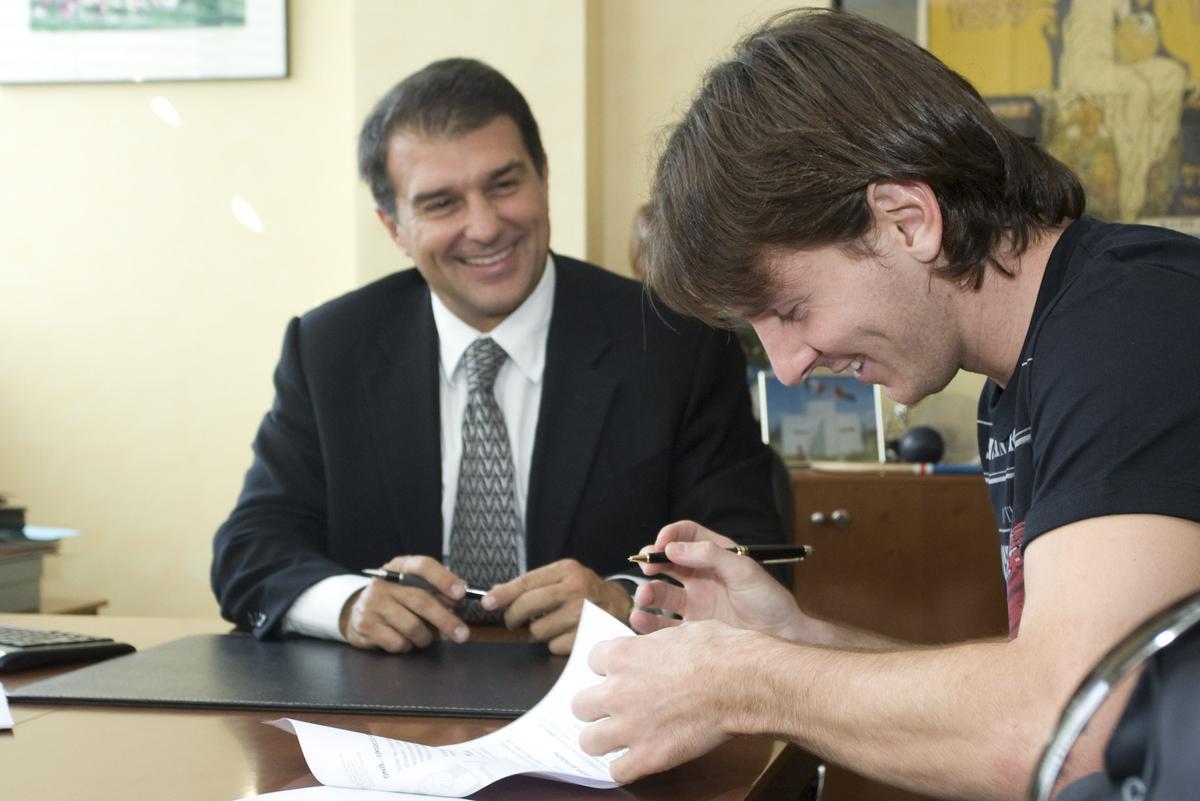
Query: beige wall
651	56
141	322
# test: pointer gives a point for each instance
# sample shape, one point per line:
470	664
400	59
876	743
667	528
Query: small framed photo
827	417
50	41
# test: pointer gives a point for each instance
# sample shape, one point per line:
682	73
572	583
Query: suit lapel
575	401
402	392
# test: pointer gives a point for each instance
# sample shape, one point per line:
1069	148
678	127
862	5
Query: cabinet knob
840	518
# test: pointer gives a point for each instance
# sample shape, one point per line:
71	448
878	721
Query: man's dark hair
448	98
782	141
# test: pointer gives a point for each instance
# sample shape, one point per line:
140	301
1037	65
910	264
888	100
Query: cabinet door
912	557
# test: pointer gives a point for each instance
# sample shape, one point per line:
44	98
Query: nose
483	223
791	358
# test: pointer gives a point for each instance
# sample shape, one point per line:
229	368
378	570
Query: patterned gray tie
486	533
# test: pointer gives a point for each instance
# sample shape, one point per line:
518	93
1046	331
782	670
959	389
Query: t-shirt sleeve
1114	399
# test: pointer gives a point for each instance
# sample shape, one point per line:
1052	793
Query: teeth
856	365
482	261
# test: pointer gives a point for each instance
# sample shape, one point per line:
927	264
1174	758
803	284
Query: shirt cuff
633	582
318	610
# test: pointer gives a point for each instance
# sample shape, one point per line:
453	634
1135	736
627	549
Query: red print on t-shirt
1016	579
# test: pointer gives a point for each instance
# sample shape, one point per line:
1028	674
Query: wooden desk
56	605
133	753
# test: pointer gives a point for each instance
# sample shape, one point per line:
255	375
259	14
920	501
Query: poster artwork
1107	86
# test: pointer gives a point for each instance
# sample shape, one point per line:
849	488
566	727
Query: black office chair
785	510
1154	751
785	501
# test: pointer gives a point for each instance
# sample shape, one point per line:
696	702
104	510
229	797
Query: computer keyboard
24	648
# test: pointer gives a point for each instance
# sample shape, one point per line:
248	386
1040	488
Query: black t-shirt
1102	414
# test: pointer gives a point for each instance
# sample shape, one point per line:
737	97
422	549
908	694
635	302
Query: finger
708	555
503	595
602	737
368	629
418	615
433	571
588	704
563	643
687	531
661	595
628	767
563	620
598	657
645	622
679	531
538	602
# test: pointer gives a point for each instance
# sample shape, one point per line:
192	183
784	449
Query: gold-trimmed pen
763	554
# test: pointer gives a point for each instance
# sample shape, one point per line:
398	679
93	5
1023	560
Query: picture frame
74	41
827	417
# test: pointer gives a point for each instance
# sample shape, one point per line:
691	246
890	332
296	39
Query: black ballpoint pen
412	580
763	554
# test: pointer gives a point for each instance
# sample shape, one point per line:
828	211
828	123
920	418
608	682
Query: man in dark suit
617	418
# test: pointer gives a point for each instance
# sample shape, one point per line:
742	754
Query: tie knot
484	358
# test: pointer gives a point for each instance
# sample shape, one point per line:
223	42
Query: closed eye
793	315
436	205
505	186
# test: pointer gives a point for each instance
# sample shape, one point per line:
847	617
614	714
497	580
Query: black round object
921	444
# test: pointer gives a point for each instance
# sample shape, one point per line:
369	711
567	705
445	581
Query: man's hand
668	697
551	597
717	585
396	618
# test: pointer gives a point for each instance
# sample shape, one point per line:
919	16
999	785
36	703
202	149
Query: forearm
814	631
258	571
965	721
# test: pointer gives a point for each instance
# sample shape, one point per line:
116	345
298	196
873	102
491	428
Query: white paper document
543	742
339	794
6	721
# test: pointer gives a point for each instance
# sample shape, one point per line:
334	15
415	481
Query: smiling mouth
485	261
854	366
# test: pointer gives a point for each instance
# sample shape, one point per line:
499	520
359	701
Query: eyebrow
516	166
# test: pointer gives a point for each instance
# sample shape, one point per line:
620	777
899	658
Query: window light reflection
165	111
244	213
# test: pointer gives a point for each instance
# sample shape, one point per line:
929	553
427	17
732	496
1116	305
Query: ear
395	230
907	218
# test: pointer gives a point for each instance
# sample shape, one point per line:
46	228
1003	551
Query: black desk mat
472	679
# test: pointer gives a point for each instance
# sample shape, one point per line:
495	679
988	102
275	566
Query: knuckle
416	564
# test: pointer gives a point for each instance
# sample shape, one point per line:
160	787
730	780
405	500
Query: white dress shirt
316	612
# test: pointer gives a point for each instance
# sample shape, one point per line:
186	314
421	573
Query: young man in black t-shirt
857	202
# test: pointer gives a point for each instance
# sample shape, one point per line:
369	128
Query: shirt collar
522	334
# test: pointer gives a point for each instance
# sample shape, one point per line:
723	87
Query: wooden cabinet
913	557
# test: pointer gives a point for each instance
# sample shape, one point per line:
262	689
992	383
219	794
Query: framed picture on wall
827	417
1105	87
53	41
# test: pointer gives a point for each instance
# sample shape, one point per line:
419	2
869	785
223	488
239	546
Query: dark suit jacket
645	419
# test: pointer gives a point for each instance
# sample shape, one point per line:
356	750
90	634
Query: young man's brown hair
782	141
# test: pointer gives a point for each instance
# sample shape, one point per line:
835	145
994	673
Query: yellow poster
1106	85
